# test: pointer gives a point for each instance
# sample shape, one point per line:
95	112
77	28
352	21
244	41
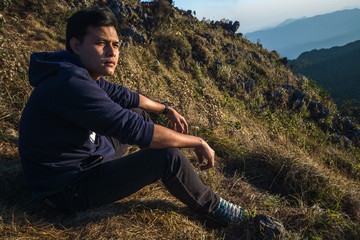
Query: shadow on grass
16	200
17	206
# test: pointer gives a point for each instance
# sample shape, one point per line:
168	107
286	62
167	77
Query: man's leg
119	178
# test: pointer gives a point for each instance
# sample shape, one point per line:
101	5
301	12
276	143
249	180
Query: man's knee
174	153
141	112
171	157
176	160
138	111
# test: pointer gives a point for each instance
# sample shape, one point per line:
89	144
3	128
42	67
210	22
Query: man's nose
110	50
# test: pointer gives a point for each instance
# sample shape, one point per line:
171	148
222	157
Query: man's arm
164	138
179	122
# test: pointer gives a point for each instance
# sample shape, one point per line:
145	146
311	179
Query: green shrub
170	43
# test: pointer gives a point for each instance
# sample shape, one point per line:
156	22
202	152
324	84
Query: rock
287	86
208	38
350	134
235	26
346	131
275	97
128	9
221	87
5	3
138	10
278	97
126	44
249	85
317	112
117	8
230	26
335	128
218	63
284	61
120	10
256	56
232	62
295	100
135	34
140	38
2	21
338	139
130	31
11	132
229	47
356	138
347	124
148	22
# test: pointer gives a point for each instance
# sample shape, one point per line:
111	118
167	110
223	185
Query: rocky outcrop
345	131
317	111
228	26
295	100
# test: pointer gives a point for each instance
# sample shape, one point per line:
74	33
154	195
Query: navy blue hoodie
66	108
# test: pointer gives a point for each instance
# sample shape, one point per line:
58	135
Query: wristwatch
166	110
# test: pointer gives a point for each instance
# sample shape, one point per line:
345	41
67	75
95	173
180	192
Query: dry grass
282	165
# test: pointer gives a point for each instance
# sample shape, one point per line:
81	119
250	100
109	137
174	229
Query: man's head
91	35
78	23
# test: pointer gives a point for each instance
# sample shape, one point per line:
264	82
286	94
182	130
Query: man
76	125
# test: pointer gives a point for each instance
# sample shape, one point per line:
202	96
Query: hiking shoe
228	212
268	226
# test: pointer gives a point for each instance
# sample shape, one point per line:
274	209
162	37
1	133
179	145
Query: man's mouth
109	63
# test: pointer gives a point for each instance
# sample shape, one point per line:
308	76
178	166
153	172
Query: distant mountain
337	69
286	22
293	37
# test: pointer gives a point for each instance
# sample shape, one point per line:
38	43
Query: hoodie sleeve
83	102
119	94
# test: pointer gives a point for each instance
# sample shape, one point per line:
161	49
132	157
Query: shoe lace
230	210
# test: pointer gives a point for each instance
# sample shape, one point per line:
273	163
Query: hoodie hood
43	65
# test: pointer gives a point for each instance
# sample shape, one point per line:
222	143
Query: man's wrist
200	143
166	109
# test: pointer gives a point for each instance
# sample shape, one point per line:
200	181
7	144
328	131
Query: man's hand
179	123
165	138
206	152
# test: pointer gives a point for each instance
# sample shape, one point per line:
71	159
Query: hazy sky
256	14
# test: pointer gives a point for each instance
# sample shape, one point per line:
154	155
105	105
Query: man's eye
100	43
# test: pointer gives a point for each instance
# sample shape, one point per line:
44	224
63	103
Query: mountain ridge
319	28
337	69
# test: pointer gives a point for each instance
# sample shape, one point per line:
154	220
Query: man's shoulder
62	65
71	70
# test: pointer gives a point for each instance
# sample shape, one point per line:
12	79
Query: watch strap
166	110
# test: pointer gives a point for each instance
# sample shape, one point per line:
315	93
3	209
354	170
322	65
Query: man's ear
75	44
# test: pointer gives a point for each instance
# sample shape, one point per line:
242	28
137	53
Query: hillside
322	31
282	148
337	69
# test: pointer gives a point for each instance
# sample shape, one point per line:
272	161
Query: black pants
123	176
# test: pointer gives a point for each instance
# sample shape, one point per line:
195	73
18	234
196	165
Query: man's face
99	51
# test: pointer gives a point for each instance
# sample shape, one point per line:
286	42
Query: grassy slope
269	158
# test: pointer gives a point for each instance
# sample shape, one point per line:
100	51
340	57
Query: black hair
78	23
